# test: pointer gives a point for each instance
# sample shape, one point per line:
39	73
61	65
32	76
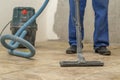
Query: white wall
45	21
52	8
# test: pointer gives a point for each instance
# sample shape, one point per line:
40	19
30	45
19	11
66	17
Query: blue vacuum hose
18	38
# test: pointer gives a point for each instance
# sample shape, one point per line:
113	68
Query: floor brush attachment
81	64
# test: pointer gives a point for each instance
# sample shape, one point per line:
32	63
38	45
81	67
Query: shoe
103	51
72	49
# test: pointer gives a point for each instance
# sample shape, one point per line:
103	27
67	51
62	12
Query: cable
5	27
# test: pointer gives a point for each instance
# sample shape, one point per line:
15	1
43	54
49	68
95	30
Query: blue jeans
101	34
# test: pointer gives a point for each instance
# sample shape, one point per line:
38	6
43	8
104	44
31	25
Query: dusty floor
45	64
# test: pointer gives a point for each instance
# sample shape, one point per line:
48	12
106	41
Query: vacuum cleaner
17	38
81	62
20	16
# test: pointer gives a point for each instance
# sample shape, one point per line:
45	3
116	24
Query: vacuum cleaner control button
24	11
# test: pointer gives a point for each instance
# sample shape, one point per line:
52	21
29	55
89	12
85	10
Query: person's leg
101	33
72	28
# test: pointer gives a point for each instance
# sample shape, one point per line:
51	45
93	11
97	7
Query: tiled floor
45	64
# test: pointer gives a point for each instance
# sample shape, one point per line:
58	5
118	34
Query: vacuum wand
81	62
81	59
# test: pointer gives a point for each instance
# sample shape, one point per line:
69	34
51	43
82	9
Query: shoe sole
70	52
105	54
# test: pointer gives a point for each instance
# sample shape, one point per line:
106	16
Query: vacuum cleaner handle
78	31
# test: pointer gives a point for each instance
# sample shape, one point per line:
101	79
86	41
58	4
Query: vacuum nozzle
81	64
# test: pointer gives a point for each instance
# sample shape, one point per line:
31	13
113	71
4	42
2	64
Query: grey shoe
103	51
72	49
